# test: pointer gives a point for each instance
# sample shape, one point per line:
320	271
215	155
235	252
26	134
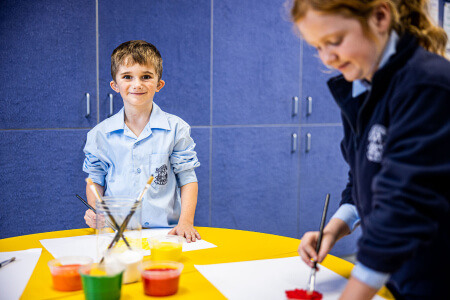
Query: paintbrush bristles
149	182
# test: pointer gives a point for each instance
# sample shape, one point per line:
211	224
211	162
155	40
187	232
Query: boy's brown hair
133	52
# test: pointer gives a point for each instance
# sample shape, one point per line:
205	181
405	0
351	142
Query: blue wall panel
40	173
322	170
201	138
181	31
47	58
256	63
255	180
314	84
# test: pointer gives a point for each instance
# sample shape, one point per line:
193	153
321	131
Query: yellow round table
252	246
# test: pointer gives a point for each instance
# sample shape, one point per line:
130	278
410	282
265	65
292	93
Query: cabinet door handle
294	106
111	104
294	142
309	106
308	142
88	105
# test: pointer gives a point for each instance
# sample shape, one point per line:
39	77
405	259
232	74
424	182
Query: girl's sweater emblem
377	137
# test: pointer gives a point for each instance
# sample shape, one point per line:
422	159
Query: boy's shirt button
138	170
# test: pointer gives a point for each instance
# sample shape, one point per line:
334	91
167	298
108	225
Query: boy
124	150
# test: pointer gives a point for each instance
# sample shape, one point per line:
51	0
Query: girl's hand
186	230
307	248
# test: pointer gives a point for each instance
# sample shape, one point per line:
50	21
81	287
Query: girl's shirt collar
361	86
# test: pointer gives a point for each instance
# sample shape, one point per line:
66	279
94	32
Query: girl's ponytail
412	16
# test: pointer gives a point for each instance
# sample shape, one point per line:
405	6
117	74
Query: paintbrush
130	214
5	262
115	227
312	275
114	224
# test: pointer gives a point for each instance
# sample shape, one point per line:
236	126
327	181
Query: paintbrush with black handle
312	275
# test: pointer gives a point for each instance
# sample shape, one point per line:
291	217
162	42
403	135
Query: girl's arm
185	225
356	290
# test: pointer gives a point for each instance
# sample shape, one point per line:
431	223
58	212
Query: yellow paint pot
166	247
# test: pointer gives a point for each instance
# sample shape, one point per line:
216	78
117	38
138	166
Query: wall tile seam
211	75
47	129
193	127
97	61
269	125
299	153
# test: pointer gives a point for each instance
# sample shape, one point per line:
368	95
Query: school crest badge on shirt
376	139
161	175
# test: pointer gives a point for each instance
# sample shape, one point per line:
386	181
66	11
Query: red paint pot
303	294
160	278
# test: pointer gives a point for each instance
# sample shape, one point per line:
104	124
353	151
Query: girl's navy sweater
397	144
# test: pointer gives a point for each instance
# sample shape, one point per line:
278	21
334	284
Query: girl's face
342	44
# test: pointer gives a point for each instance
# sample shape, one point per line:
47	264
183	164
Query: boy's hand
186	230
91	219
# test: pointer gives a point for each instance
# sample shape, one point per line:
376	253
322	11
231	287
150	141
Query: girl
394	94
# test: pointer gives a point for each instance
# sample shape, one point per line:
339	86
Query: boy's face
137	84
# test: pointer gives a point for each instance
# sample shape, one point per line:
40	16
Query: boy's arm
185	225
90	216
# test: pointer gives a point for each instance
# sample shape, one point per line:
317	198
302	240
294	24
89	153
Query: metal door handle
88	105
294	106
309	106
308	142
111	104
294	142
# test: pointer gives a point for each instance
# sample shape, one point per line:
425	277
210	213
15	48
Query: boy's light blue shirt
122	163
348	212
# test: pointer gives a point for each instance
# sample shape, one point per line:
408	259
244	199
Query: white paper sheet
15	275
270	278
86	245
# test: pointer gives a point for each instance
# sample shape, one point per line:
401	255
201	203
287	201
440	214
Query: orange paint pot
65	274
161	278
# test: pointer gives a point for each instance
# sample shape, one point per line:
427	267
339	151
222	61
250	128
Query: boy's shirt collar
158	119
361	85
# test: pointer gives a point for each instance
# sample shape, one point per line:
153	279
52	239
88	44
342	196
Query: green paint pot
101	282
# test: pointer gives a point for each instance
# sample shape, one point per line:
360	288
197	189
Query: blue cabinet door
40	173
181	32
322	170
256	63
317	104
255	179
47	58
202	139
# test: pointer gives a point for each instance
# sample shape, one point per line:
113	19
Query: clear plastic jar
124	214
